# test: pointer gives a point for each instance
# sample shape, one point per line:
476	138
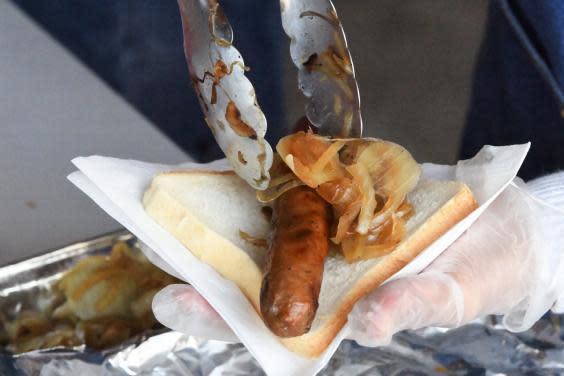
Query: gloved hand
509	262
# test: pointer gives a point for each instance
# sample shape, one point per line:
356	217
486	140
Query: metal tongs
326	77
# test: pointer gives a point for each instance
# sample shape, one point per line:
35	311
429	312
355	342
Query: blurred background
413	61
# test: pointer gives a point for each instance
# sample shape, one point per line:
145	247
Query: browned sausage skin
294	270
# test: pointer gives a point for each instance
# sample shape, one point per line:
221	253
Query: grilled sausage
294	270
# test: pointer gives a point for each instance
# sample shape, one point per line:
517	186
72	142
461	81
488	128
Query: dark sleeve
517	93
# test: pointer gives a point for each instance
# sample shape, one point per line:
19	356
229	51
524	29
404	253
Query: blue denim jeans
518	84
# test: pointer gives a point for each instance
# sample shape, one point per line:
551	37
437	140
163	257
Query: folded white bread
207	211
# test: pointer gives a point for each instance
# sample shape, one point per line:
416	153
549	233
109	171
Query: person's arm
550	188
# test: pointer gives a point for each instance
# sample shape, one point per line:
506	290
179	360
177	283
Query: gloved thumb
427	299
182	308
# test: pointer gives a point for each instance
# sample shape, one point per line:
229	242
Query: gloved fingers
485	271
182	308
493	261
407	303
510	261
158	261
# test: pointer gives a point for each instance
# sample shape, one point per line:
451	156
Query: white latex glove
509	262
182	308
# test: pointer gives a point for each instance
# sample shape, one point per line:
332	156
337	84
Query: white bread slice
205	211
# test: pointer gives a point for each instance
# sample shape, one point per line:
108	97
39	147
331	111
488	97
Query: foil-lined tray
481	348
27	284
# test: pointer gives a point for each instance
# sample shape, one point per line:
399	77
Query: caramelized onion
361	247
282	179
362	179
257	242
301	151
273	192
365	180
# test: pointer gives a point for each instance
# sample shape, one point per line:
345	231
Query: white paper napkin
117	186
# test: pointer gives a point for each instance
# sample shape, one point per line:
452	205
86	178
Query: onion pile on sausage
346	193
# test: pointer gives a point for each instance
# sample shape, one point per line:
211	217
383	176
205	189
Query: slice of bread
206	210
